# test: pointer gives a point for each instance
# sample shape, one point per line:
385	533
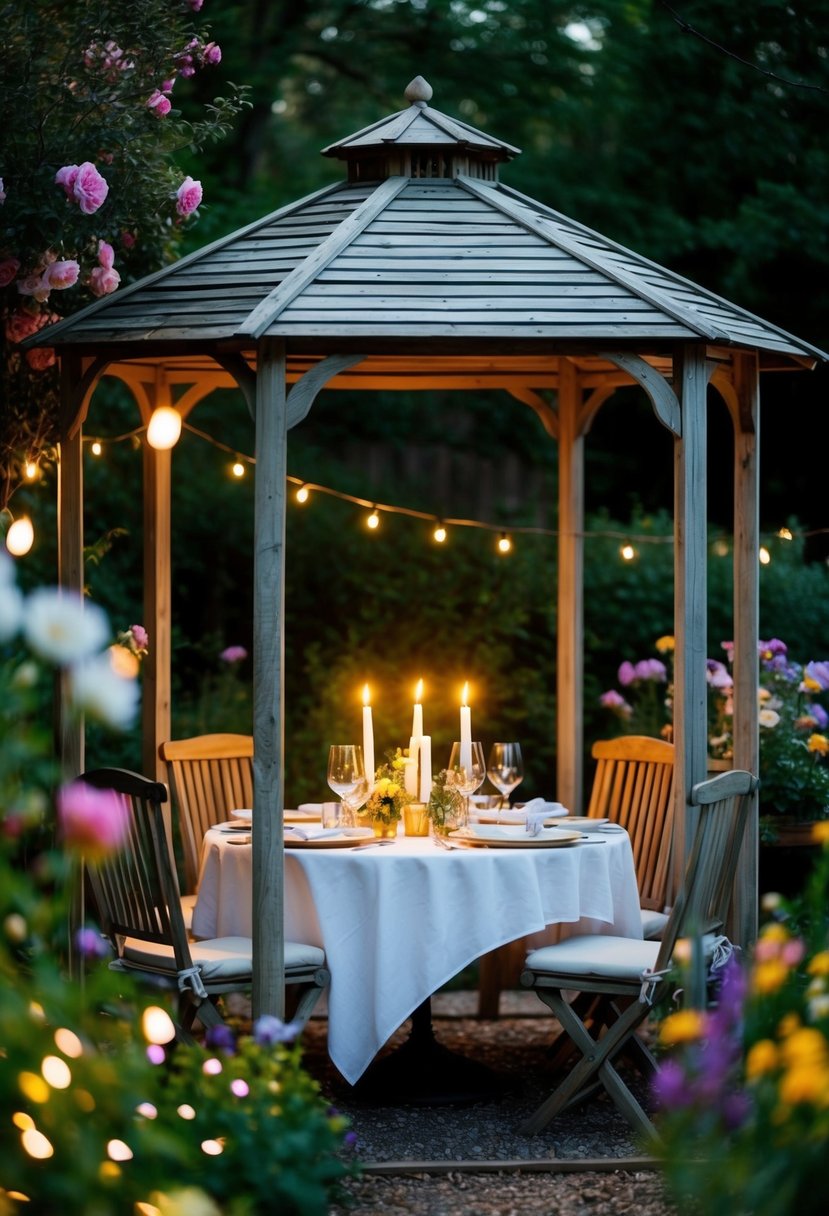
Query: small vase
416	819
385	831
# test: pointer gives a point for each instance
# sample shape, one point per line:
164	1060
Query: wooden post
690	592
70	548
743	928
268	678
570	616
155	692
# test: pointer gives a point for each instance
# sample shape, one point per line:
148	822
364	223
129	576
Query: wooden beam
690	593
304	392
545	412
268	680
743	929
570	615
158	609
662	397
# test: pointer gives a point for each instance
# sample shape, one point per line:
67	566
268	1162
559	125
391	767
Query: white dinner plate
584	823
513	838
347	838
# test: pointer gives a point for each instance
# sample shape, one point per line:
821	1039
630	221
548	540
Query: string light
31	470
164	428
373	520
96	447
627	552
439	533
504	543
720	548
237	469
785	534
20	536
302	494
764	556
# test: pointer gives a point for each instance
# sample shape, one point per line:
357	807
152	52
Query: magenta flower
212	53
66	177
83	185
195	5
167	85
159	104
93	822
626	674
90	944
651	669
188	196
670	1086
718	675
615	701
141	637
233	654
59	275
8	267
2	192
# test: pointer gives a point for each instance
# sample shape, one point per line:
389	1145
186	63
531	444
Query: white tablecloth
396	922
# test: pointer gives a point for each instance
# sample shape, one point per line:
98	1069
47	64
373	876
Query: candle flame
465	695
366	696
419	691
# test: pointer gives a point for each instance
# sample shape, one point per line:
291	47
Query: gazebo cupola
420	142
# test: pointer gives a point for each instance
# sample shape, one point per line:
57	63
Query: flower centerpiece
388	799
447	806
744	1090
793	721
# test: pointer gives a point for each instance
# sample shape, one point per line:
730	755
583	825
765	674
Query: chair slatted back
703	901
135	889
210	776
633	786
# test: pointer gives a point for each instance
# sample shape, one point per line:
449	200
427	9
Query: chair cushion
653	923
623	958
220	958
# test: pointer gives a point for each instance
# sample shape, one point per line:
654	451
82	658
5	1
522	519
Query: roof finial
418	91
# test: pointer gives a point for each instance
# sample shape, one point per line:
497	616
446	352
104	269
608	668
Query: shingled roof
421	241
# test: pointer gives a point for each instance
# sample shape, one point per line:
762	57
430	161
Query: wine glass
467	772
505	769
347	776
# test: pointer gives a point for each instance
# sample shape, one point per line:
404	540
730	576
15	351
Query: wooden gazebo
423	270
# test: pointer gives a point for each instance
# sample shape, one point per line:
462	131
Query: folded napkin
311	833
519	814
537	810
311	808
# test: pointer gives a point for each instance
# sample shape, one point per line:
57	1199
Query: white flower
769	718
11	610
63	627
98	690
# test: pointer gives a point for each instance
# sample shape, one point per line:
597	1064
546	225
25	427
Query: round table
396	922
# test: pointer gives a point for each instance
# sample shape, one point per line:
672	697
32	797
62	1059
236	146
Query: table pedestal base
422	1072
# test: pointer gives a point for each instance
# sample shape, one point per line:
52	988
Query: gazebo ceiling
433	254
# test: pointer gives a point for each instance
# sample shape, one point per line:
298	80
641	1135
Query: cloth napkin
537	810
519	814
311	833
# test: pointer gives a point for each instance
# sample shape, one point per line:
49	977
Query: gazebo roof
432	247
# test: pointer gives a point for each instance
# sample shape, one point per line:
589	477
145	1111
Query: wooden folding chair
210	776
629	974
633	786
137	897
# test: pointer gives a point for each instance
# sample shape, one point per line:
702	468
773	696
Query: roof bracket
662	396
304	393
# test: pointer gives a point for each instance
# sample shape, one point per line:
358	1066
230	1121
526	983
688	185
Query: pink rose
233	654
188	196
38	360
36	285
8	269
195	5
212	53
66	177
167	85
159	104
106	255
21	325
142	638
89	189
93	822
62	274
103	281
2	191
127	239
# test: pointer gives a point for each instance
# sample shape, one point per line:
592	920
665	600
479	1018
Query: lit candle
417	716
425	767
368	738
410	774
466	730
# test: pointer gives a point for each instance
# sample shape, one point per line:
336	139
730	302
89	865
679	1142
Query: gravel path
468	1144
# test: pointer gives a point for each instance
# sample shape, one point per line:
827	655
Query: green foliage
446	802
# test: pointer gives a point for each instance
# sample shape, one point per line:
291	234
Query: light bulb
97	447
20	536
627	552
764	556
721	548
302	494
784	534
164	428
504	543
439	533
237	469
373	520
31	470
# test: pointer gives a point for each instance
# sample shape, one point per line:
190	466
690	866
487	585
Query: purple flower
773	647
819	672
670	1086
268	1030
736	1108
212	53
221	1038
626	674
350	1140
651	669
90	944
718	675
819	714
233	654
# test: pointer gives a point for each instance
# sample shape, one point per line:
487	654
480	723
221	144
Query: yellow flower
820	832
818	743
682	950
810	684
665	644
392	790
804	1083
762	1058
769	976
682	1027
806	1048
775	932
819	963
788	1025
